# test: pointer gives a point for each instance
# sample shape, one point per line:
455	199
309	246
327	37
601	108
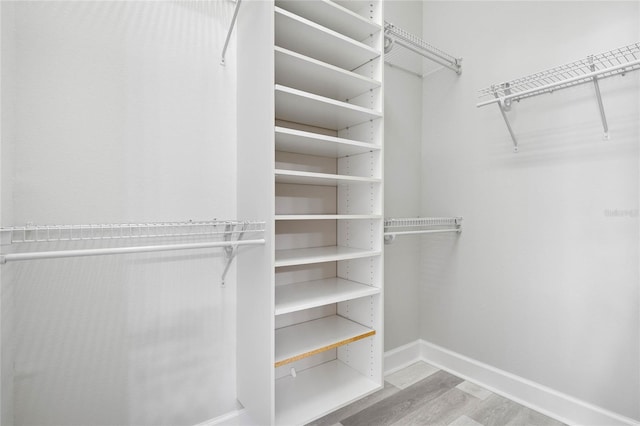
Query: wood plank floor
423	395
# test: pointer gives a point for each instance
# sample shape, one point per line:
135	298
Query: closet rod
12	257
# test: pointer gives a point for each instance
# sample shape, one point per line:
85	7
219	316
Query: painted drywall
122	114
402	183
543	282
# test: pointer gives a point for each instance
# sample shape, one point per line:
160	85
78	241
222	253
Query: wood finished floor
423	395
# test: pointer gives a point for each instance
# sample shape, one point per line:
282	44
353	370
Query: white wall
402	135
122	114
542	283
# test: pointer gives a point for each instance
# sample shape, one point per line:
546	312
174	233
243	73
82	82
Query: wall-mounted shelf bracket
231	250
596	85
231	25
592	69
420	225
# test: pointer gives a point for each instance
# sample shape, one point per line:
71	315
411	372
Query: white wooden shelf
310	294
332	16
308	256
308	74
319	42
301	142
306	108
319	391
320	179
306	339
328	217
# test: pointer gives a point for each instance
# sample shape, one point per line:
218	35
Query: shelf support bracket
505	105
603	117
229	251
233	23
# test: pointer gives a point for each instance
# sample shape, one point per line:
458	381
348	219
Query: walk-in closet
319	212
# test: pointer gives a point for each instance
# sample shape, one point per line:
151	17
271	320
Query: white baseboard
545	400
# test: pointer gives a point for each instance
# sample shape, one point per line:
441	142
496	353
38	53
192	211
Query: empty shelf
332	16
310	39
306	339
300	142
310	294
320	254
306	108
311	75
318	391
321	179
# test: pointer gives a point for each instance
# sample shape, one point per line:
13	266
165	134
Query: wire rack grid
608	64
418	45
422	222
52	233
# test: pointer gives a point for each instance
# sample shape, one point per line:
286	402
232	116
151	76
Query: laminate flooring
424	395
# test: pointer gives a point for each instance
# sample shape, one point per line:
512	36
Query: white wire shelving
591	69
394	35
158	236
420	225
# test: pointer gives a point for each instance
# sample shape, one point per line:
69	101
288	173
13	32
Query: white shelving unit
310	130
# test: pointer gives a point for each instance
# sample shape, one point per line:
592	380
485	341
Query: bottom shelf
319	391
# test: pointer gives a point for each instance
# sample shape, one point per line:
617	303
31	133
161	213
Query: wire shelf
420	225
422	222
54	233
396	35
608	64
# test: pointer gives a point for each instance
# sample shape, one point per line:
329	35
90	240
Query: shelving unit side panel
305	163
367	270
364	356
304	316
255	200
366	164
300	273
358	199
305	199
369	131
360	234
305	233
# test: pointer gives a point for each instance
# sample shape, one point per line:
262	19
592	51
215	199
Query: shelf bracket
603	117
230	251
505	105
233	23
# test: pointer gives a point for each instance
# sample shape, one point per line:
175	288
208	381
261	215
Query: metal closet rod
12	257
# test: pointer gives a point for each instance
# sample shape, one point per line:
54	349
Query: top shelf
332	16
608	64
310	39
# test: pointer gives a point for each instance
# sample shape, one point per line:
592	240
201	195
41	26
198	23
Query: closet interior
296	296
